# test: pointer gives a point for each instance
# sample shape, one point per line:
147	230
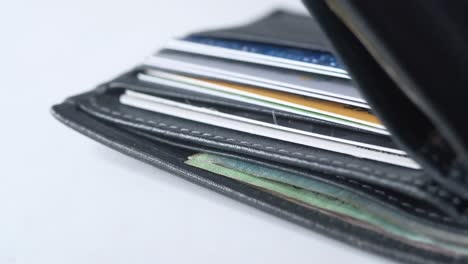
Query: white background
67	199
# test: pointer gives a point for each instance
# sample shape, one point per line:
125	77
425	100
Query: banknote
331	199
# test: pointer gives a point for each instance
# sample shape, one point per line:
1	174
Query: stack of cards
302	82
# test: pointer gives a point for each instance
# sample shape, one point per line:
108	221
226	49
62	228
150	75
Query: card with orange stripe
330	111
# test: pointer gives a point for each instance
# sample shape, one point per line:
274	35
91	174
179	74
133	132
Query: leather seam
416	181
393	199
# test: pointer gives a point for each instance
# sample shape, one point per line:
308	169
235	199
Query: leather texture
166	142
412	71
167	153
412	182
296	31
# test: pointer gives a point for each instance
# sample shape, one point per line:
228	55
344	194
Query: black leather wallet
408	59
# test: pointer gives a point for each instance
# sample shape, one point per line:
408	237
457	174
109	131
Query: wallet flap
411	72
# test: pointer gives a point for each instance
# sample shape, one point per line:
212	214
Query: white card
317	86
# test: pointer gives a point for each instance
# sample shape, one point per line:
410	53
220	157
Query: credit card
312	85
333	200
228	121
338	110
280	118
304	56
220	91
314	61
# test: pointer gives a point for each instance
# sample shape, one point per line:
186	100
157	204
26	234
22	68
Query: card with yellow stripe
327	110
308	103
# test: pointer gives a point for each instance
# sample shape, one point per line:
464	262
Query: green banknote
335	200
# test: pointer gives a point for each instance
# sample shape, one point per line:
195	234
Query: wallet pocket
407	190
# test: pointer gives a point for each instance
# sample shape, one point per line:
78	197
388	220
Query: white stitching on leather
365	186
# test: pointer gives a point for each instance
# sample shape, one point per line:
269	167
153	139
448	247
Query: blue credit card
317	57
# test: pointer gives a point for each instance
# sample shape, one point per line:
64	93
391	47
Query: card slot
383	171
399	179
264	114
271	117
131	82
